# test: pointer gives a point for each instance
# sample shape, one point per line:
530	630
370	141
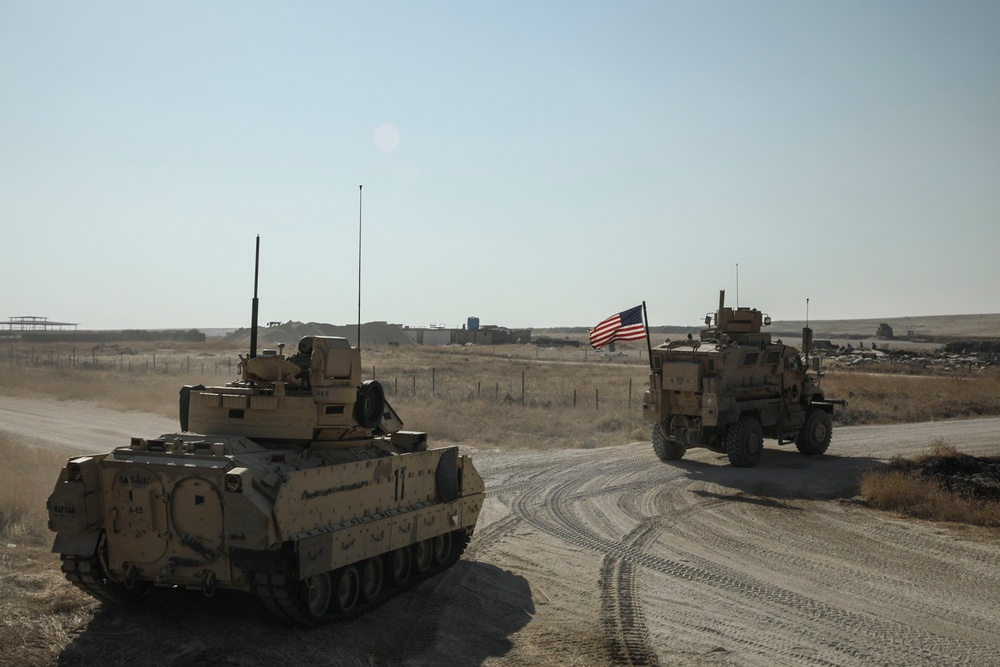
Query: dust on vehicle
733	387
295	483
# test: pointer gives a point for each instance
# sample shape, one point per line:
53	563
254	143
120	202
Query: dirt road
608	556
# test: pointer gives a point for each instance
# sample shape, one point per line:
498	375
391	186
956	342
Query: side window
751	358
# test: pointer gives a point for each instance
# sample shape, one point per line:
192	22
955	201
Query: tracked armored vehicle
295	483
733	387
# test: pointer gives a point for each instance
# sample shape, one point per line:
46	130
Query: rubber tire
666	450
814	436
745	442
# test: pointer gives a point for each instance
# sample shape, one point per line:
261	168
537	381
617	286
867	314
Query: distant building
884	331
482	335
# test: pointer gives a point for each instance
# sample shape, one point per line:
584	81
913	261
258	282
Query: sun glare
386	137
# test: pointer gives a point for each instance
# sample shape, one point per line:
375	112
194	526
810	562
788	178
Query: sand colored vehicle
295	483
733	387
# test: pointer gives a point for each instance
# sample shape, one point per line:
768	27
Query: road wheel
666	450
814	436
372	579
442	549
399	566
423	555
745	442
346	589
316	592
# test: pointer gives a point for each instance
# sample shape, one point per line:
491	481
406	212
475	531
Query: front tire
814	436
666	450
745	442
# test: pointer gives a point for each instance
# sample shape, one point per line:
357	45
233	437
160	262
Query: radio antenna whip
253	309
359	266
737	285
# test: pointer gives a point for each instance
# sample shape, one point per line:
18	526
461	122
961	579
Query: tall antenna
253	308
737	284
359	266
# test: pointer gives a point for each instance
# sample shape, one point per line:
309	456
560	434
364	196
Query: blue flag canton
631	317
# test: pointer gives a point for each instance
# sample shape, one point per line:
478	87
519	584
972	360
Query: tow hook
208	581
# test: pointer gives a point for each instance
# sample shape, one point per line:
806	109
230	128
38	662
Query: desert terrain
589	549
608	556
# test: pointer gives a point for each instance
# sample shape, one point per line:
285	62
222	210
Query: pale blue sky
530	163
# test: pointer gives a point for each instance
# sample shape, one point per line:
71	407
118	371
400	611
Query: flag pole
649	344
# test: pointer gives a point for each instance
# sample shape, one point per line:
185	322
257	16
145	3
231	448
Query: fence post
522	388
414	386
597	399
479	388
630	393
574	398
433	381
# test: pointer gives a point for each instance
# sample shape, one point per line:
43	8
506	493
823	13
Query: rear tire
666	450
814	436
745	442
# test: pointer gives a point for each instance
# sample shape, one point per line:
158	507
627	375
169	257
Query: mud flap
76	544
447	475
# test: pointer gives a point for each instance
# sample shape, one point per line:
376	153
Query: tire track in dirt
622	620
546	508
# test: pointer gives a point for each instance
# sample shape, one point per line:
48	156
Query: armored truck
732	387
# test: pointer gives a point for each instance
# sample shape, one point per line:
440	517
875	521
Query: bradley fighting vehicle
295	483
732	388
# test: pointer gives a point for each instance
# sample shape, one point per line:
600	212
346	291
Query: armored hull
733	387
305	493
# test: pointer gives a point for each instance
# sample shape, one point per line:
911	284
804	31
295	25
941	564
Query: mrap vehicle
732	387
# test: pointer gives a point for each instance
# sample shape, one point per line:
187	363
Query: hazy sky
530	163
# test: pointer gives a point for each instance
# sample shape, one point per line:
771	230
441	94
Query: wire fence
526	388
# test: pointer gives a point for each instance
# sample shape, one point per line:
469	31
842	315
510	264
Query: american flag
626	325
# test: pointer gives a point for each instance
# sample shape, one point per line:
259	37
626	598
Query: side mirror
815	364
767	320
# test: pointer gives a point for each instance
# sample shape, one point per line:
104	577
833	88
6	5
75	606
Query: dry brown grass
572	397
38	610
876	398
899	488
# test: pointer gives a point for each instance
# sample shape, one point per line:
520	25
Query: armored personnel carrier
733	387
295	483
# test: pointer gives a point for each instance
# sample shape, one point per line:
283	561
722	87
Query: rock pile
955	356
